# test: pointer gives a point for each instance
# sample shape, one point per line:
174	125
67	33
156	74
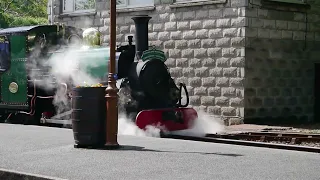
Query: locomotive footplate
175	116
63	118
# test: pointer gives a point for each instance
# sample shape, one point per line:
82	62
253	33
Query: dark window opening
4	54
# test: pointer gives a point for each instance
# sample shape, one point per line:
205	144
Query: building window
4	54
70	6
78	5
134	3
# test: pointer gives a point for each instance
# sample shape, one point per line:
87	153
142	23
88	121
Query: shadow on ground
142	149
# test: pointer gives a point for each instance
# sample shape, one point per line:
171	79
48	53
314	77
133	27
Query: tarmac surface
50	152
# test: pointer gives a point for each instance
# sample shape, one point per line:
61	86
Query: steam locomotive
29	90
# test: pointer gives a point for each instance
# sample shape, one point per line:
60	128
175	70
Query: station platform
49	151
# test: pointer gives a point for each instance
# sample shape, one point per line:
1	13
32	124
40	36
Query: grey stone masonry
241	59
281	49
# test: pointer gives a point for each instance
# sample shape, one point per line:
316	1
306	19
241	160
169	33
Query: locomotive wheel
3	117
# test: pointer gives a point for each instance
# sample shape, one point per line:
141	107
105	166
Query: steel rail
284	134
293	138
245	143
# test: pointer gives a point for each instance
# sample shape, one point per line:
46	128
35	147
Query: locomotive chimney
141	35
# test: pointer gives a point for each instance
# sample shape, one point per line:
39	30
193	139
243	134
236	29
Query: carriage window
4	54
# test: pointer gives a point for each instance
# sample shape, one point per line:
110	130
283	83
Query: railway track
276	140
288	138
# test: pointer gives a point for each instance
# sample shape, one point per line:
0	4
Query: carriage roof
27	29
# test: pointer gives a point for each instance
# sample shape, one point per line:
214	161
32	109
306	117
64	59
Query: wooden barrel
89	116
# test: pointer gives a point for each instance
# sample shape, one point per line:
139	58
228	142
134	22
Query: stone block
214	91
229	52
228	91
164	36
209	24
237	62
194	43
208	81
201	72
189	34
189	15
174	53
223	23
195	100
283	25
230	12
230	32
202	34
176	35
194	81
230	72
239	22
236	82
170	45
236	102
202	14
200	91
222	82
200	53
188	72
215	33
207	100
182	62
181	44
170	26
215	13
256	22
270	24
165	17
228	111
171	62
195	62
222	101
214	52
184	25
215	72
207	43
176	72
177	16
208	62
222	62
215	110
223	42
187	53
153	36
195	24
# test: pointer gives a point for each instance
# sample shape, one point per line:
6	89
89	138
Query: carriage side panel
14	81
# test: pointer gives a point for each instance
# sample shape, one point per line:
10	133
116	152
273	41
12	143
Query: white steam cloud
204	124
63	69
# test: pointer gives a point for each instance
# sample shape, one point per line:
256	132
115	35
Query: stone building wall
240	59
204	45
281	48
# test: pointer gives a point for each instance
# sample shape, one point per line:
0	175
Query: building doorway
317	93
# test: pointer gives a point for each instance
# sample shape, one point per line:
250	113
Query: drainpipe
51	14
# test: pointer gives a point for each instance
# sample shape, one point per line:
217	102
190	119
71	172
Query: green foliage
8	20
22	12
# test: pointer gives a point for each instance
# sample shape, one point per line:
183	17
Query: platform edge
12	174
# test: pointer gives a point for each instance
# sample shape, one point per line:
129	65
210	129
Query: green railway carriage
19	47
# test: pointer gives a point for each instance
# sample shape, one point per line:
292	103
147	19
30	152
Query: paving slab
50	152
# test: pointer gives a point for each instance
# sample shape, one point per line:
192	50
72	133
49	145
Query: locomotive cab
21	49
